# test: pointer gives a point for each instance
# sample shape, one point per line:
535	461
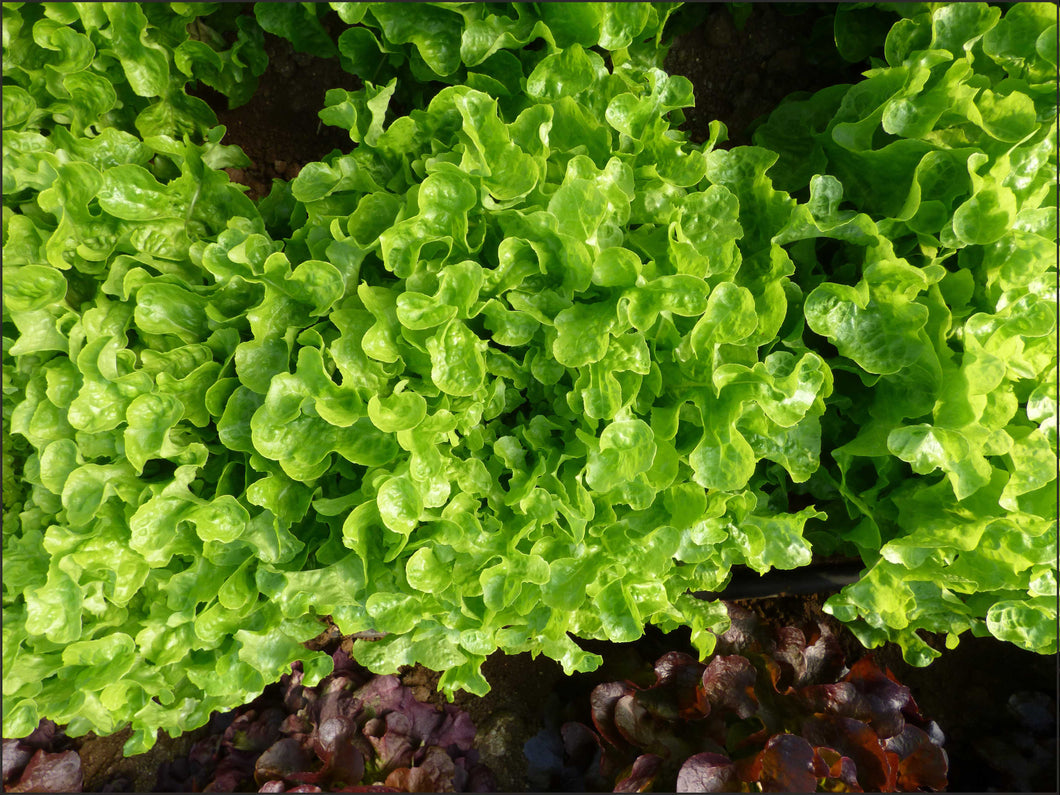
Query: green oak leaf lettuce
948	322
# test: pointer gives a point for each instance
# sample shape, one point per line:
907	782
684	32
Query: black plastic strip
747	584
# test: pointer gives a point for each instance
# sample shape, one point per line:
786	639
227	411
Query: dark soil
996	704
106	769
741	73
279	129
506	717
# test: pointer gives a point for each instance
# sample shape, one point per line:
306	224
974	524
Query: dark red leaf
634	722
232	772
44	736
436	774
282	759
380	695
742	632
786	765
824	657
16	756
708	772
50	773
856	740
602	701
923	764
454	729
728	684
641	775
328	736
425	721
841	698
295	724
395	747
335	703
252	731
374	727
681	670
790	643
675	694
580	744
665	701
885	696
347	764
840	774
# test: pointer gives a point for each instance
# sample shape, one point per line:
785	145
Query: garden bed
983	682
740	70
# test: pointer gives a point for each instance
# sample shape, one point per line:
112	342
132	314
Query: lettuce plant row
771	711
521	367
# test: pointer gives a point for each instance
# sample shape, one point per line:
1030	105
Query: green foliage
92	66
523	366
950	148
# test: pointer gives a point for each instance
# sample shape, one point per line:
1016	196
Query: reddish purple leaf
581	745
379	696
425	721
790	645
641	775
885	696
841	698
923	764
603	700
293	693
742	632
282	759
16	756
334	704
328	736
634	722
50	773
296	723
347	764
44	736
232	772
674	694
708	772
728	684
840	771
859	742
437	773
681	670
455	730
824	657
786	764
255	732
395	746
